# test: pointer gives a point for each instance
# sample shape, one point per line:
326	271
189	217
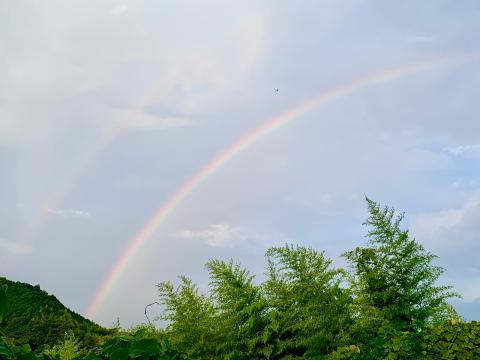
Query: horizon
140	139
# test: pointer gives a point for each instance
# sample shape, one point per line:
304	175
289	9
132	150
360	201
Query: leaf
5	352
147	347
120	353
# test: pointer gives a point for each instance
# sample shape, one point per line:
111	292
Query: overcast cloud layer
107	107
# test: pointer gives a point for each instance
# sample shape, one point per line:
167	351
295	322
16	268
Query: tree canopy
389	297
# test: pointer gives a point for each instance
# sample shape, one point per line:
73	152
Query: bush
68	349
454	340
134	346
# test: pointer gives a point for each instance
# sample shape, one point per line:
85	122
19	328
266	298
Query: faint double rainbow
89	156
265	128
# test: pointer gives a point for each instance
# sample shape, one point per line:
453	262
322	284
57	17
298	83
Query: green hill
36	318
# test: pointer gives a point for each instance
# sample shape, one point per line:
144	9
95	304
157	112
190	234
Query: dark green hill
37	318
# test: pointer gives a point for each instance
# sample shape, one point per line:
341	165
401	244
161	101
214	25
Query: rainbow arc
265	128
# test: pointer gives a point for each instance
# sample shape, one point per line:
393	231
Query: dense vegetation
36	318
385	305
36	326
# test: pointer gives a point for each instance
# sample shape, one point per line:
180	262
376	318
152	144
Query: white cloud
70	213
51	61
453	235
464	149
15	248
225	235
201	79
466	183
454	229
138	119
118	10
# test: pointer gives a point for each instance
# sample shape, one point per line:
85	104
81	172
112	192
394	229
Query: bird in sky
276	89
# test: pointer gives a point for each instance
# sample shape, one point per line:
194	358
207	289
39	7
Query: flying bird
276	89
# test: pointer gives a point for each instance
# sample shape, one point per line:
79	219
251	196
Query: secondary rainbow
85	161
159	216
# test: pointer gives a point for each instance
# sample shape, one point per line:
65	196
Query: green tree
241	309
36	318
190	317
394	281
309	310
68	349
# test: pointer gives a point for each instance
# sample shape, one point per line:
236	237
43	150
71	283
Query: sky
108	107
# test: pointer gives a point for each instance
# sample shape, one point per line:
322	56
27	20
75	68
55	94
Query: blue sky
150	91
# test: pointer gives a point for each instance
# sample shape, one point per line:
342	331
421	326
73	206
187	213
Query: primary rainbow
267	127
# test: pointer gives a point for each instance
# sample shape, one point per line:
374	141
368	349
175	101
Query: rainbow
68	181
159	216
62	189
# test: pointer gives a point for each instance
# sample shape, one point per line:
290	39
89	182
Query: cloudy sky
108	107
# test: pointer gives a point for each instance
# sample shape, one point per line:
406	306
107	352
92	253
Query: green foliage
453	340
36	318
449	340
9	351
344	353
392	344
395	289
309	311
68	349
393	309
304	309
299	311
190	317
240	312
138	345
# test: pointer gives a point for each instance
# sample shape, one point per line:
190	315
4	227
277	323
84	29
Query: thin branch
146	315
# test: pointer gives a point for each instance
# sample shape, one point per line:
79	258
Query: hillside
37	318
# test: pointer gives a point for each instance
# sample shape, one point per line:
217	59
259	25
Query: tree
309	310
241	309
393	278
68	349
190	317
